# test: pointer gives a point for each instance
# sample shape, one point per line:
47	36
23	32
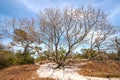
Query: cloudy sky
30	8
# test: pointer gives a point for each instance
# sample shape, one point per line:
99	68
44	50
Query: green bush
41	58
89	54
24	59
6	58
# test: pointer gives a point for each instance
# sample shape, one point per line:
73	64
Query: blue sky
30	8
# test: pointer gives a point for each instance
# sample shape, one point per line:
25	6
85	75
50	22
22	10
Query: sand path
48	70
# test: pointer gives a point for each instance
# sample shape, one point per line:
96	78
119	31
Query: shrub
89	54
23	59
102	57
113	56
6	58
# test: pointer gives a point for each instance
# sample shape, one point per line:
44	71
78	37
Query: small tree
26	37
20	38
117	45
101	34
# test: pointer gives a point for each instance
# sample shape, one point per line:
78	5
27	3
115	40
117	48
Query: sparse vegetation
99	69
54	37
23	72
6	58
9	58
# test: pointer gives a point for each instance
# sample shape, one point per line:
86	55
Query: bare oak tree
67	28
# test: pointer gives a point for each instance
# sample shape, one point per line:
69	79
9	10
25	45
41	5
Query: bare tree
67	28
115	45
7	26
101	33
23	32
26	36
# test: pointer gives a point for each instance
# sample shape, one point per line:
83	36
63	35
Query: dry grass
92	68
23	72
99	69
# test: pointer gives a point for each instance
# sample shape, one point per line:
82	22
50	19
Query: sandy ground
48	70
